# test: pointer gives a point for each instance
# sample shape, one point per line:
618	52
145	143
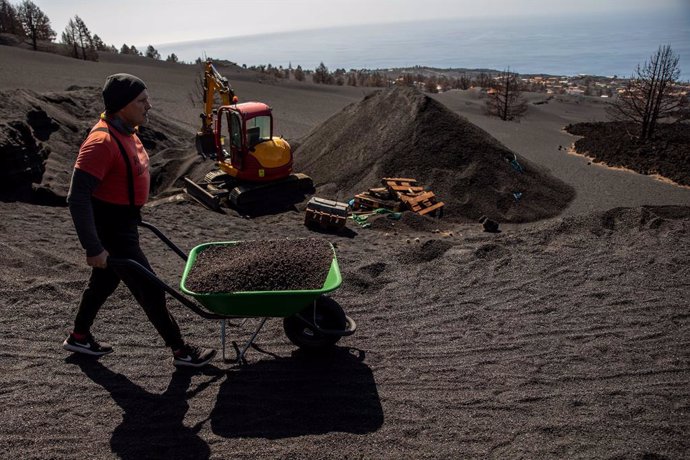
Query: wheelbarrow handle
129	264
164	239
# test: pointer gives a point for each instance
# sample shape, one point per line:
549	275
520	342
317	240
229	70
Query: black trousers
119	233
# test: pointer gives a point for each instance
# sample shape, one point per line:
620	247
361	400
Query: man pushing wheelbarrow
110	183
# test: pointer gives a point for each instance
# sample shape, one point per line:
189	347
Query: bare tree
431	85
464	82
649	95
35	23
505	97
483	80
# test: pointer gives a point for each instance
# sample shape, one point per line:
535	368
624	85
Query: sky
155	22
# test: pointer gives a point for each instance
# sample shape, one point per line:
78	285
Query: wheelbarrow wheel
327	314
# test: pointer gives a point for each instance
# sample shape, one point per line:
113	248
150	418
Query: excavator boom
214	83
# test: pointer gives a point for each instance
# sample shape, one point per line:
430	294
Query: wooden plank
363	201
399	186
381	192
431	208
406	188
399	179
414	199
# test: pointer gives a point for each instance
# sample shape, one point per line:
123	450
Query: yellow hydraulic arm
214	83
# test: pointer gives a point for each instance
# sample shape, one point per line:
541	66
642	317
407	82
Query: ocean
605	45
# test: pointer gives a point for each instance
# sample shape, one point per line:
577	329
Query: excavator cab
254	155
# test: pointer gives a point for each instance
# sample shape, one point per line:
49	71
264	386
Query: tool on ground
325	214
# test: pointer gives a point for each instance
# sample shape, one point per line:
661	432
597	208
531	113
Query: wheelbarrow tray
258	303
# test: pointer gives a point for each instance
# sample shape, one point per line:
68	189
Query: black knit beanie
121	89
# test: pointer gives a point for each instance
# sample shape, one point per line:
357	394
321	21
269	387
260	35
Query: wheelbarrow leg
240	354
240	357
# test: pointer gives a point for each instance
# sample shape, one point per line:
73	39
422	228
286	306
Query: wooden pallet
422	203
381	193
402	185
367	202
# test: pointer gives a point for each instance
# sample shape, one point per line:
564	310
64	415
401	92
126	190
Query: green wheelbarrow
311	320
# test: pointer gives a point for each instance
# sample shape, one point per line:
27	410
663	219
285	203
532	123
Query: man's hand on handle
99	261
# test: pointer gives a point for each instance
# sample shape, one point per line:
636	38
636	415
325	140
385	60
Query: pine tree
88	50
9	19
78	38
35	23
351	78
98	43
321	74
299	73
69	38
152	53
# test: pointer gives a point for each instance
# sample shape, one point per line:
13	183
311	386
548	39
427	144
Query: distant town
440	80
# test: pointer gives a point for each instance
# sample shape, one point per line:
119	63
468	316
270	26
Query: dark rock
489	225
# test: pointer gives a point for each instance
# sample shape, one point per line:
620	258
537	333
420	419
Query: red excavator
254	169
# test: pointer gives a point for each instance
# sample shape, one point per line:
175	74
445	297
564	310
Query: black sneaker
192	356
88	346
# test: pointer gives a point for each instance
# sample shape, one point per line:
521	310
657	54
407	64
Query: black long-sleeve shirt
80	205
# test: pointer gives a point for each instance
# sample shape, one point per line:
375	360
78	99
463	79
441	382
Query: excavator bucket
211	192
219	190
289	190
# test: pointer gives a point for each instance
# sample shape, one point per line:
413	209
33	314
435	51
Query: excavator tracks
218	190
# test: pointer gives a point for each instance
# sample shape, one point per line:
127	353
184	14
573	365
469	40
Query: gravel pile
263	265
400	132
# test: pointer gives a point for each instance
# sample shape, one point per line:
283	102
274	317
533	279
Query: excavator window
235	131
253	135
258	130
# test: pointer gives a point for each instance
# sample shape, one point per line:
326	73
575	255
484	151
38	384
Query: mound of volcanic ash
400	132
262	265
40	135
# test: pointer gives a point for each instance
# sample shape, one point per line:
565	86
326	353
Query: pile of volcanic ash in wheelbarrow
262	265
